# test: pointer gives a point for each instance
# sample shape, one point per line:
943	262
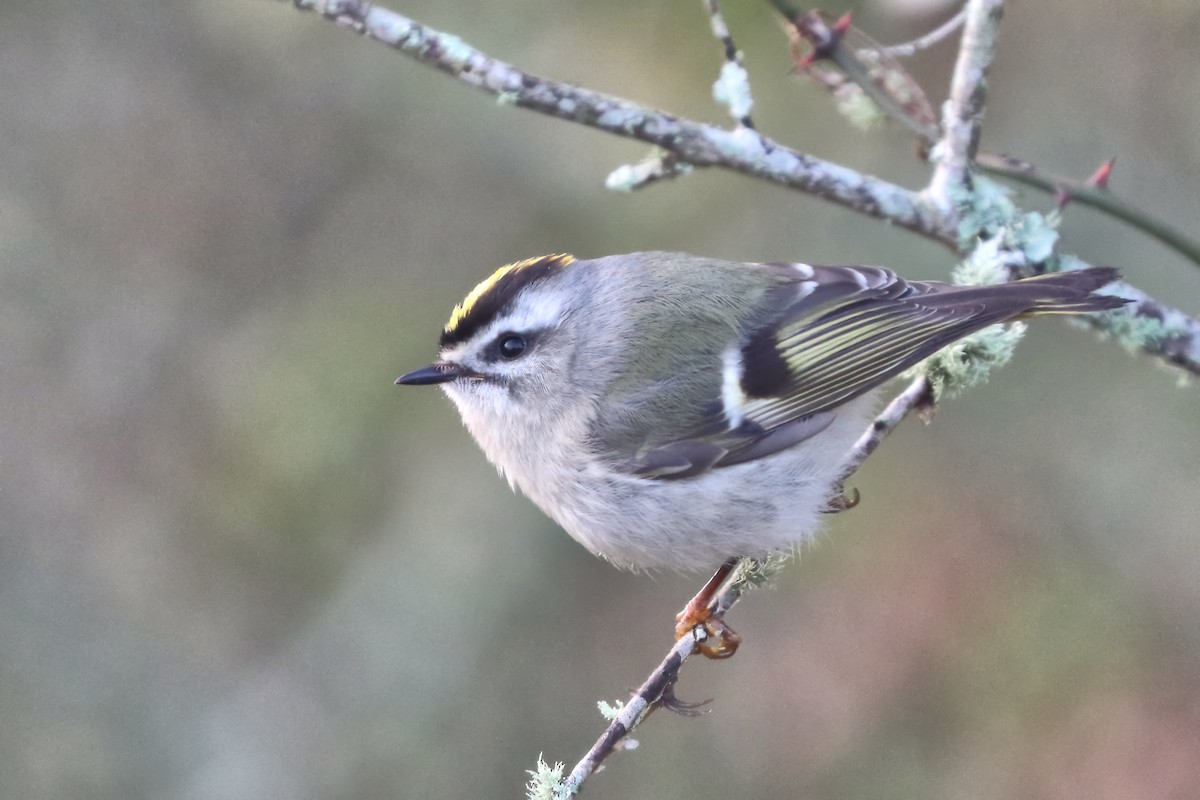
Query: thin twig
854	70
963	112
936	35
731	89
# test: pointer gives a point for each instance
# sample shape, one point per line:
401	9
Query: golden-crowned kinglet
669	410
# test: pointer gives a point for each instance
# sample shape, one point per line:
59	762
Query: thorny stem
827	43
1102	199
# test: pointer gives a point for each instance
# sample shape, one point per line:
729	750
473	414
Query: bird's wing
838	333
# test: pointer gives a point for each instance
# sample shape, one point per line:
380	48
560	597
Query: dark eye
511	345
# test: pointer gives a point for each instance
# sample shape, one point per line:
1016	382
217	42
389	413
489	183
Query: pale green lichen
546	782
620	118
986	265
610	710
986	211
741	144
970	360
1135	332
1035	235
628	177
754	573
856	106
1068	262
732	90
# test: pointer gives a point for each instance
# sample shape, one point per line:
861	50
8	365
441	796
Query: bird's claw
670	702
842	501
714	638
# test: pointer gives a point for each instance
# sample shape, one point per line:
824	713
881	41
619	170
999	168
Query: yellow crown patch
493	293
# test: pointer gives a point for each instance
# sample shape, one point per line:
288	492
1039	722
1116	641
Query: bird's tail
1071	292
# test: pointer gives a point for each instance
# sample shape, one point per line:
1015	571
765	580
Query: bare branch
928	40
741	150
962	115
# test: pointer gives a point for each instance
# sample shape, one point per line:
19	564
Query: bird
677	411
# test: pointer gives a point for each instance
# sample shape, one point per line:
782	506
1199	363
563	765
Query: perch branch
658	685
644	700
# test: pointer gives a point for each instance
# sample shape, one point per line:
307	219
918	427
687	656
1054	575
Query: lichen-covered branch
1150	326
962	115
742	150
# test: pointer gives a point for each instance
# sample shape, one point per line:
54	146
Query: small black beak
441	372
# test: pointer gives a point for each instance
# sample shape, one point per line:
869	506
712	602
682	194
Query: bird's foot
718	639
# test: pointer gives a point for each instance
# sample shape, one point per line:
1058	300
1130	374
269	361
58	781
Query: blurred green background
237	563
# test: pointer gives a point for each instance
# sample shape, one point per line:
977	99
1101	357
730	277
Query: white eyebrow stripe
531	311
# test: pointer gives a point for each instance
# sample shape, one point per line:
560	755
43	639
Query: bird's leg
722	641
